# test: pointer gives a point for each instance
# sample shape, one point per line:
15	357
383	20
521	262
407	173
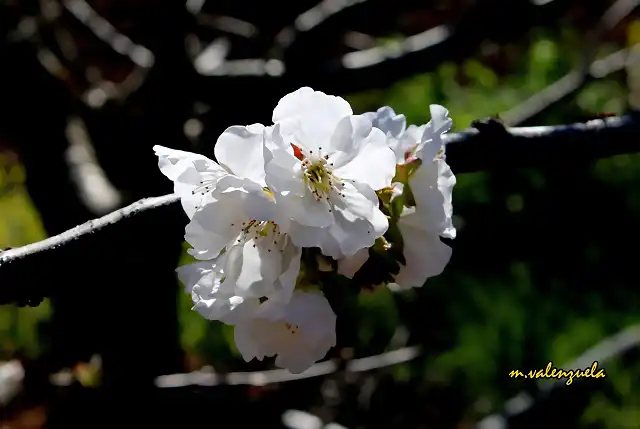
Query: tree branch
18	269
489	146
86	228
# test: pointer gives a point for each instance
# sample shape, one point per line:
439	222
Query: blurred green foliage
493	324
19	225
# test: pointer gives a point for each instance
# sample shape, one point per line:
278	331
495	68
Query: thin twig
261	378
86	228
499	148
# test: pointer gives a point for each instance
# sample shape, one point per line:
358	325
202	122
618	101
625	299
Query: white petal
299	332
358	221
215	293
446	182
306	210
394	145
368	159
259	269
305	236
256	203
247	340
274	310
408	143
315	321
313	314
241	150
192	274
169	161
390	123
218	222
190	202
357	199
295	362
212	308
414	133
273	140
349	266
350	236
284	173
440	122
214	226
188	171
426	256
330	245
309	117
240	309
350	135
431	140
432	195
284	287
212	299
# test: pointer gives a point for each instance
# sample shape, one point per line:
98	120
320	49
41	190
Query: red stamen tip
297	152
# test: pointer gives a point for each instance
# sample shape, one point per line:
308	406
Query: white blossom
308	180
298	333
246	255
239	151
324	169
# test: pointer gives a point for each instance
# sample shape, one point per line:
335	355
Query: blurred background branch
591	69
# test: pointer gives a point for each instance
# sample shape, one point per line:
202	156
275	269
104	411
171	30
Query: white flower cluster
320	179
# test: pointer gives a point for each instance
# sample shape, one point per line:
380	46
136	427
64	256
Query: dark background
545	265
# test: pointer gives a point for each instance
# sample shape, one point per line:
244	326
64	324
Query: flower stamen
319	178
267	232
292	329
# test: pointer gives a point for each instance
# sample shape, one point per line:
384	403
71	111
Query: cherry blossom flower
246	255
239	151
324	170
298	333
319	176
